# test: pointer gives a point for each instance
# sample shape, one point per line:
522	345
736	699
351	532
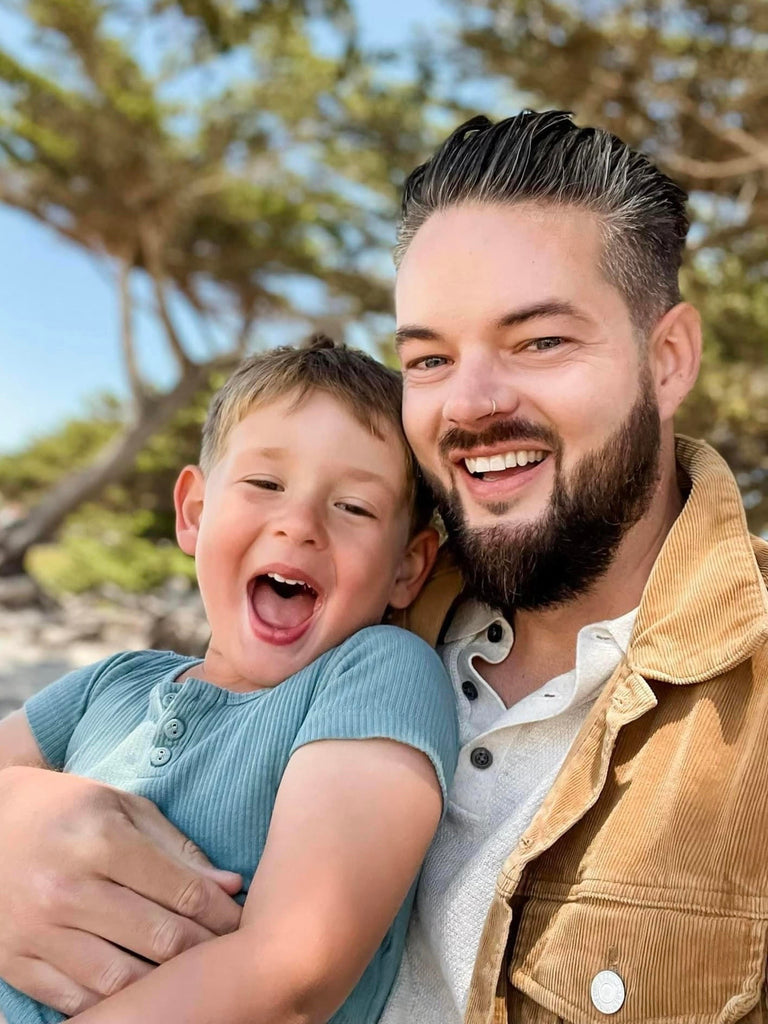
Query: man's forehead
501	259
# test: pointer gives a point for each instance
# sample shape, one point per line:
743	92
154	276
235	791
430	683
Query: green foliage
99	547
127	539
27	475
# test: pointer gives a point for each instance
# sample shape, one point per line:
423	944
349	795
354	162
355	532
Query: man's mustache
513	430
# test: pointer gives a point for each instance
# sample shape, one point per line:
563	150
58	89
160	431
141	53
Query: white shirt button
607	992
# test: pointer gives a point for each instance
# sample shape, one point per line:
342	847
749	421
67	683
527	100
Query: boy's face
300	534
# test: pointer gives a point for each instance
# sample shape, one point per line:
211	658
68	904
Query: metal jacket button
495	632
607	992
481	757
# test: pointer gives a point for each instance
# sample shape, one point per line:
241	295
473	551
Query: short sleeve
384	682
54	711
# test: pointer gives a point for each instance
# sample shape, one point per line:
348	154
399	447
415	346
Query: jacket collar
705	606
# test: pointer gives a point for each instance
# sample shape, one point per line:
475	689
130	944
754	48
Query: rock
23	592
183	629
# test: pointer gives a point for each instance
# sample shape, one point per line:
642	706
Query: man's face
528	400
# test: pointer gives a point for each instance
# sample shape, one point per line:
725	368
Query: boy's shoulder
131	667
142	660
386	640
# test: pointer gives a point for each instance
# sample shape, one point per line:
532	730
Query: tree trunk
110	465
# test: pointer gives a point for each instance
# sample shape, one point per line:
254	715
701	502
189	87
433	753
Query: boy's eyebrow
358	474
366	476
270	453
549	307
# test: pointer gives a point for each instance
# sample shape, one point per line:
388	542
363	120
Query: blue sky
58	312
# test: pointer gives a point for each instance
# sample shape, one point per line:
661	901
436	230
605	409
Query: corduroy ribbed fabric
649	856
212	759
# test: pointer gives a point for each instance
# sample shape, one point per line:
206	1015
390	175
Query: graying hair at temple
545	158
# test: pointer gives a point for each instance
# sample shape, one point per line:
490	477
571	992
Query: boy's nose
301	524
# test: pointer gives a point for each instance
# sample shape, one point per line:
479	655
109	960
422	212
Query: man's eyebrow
549	307
412	332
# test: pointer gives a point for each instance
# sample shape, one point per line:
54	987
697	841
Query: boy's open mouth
282	603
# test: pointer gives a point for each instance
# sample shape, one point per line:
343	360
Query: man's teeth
495	463
284	579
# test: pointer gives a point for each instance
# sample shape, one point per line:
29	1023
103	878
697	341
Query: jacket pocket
680	966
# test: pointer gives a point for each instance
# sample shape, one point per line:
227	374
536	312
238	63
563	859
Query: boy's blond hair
370	391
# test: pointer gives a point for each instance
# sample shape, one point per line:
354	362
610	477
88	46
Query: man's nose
479	390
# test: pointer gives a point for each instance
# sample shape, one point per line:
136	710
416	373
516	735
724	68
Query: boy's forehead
264	427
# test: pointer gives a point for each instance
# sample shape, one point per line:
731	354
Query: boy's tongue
281	612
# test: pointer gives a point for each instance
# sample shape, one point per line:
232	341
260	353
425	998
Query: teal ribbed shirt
212	759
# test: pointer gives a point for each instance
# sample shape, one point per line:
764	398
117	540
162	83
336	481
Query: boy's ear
416	564
188	502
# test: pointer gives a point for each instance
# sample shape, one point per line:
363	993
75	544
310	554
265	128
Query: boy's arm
72	888
350	827
17	742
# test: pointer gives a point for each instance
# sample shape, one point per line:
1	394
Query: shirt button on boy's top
159	756
174	728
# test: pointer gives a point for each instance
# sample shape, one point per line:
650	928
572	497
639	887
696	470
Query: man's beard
560	555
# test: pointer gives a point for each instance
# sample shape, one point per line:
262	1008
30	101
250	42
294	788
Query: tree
209	154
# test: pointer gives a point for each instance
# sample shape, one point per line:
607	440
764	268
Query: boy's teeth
496	463
284	579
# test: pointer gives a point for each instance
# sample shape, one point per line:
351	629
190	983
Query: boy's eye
263	484
355	510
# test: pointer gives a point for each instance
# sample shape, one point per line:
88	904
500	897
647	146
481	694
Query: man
605	625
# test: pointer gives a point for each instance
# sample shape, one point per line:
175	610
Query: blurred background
185	181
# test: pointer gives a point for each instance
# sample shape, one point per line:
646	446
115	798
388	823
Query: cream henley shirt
508	761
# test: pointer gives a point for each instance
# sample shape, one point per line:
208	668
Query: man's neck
545	639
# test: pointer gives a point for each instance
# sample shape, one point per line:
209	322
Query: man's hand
86	869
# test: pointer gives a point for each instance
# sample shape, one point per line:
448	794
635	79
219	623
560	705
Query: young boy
311	749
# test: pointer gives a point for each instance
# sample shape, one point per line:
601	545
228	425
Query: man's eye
543	344
427	363
355	510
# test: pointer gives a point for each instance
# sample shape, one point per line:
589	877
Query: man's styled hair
545	158
370	391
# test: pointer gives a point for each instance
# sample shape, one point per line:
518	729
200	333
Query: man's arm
86	869
350	827
17	744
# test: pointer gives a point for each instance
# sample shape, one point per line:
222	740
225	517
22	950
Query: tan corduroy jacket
649	856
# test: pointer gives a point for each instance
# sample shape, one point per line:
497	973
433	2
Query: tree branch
709	169
151	252
127	340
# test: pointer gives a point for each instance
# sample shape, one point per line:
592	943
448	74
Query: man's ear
675	355
416	564
188	502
